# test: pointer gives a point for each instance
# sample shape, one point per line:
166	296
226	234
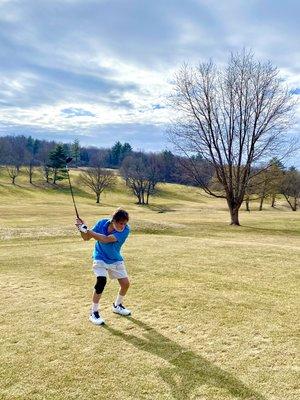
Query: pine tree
125	152
115	154
76	151
57	162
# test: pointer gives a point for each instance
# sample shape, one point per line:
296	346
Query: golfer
110	234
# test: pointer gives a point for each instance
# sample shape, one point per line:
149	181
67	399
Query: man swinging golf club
110	234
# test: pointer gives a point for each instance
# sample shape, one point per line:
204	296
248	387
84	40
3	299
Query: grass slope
214	306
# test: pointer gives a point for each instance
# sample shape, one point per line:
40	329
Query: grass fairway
214	306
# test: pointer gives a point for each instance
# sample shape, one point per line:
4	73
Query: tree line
49	156
141	171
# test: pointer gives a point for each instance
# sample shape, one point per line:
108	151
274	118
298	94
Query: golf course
214	306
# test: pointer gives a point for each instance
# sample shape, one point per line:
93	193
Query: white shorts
116	270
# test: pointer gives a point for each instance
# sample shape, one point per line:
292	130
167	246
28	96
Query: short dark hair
120	215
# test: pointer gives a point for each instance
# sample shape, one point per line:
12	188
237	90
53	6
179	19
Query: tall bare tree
233	117
97	179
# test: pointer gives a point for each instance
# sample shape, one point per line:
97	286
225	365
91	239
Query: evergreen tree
115	154
169	164
76	151
126	151
57	158
84	157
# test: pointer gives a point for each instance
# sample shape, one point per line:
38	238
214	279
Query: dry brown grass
215	307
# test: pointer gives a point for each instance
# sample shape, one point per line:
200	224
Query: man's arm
86	236
98	236
90	234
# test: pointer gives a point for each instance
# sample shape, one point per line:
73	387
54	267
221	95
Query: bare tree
134	171
97	179
290	187
12	159
154	173
32	148
142	172
267	184
46	171
260	184
13	172
233	117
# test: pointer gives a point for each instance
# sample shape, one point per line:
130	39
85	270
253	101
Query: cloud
80	66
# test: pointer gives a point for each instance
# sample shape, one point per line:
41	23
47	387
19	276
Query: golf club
68	160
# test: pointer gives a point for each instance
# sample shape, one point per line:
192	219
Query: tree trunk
97	198
54	176
234	214
234	206
247	204
30	171
13	180
295	204
261	203
147	196
30	176
273	200
143	197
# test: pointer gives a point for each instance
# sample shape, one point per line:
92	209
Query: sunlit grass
214	306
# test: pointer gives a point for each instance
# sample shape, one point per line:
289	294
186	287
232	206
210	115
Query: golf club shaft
77	215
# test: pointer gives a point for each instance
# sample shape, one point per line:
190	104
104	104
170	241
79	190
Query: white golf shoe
96	319
120	309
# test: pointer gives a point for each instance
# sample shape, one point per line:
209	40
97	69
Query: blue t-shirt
109	252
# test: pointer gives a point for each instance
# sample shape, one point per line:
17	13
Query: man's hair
120	215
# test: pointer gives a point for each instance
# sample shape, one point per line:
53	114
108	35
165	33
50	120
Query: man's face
120	225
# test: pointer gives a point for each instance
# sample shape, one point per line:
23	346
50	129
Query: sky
101	70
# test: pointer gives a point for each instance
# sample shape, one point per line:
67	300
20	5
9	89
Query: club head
68	160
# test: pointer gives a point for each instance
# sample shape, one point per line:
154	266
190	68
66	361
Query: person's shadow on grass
187	370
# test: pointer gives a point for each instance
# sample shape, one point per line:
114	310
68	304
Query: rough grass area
214	307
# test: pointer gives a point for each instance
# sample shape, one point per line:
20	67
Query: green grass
215	307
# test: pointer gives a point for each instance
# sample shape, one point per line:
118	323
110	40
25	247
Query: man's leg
100	273
99	287
118	271
124	285
118	306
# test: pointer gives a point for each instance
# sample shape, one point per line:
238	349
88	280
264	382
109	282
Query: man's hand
82	228
79	221
81	225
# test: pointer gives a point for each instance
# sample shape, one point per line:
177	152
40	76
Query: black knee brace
100	284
